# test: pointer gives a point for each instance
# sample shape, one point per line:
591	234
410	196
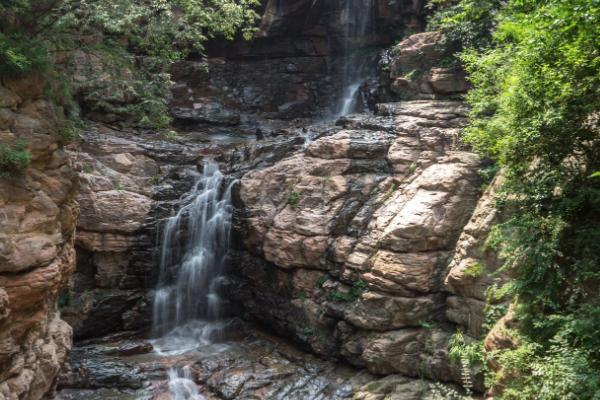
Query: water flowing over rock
182	386
37	257
194	244
253	365
309	59
358	19
124	183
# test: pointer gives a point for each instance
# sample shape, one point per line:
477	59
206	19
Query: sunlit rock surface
351	238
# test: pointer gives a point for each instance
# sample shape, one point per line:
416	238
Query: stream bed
245	363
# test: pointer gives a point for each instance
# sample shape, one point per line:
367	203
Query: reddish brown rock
37	255
474	267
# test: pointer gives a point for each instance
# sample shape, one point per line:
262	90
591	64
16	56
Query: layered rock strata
37	256
422	66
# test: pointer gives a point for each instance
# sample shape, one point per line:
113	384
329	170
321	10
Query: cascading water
187	306
357	17
182	386
194	244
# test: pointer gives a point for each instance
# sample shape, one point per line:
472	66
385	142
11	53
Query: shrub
148	35
474	270
358	288
14	159
534	111
559	373
468	23
20	55
293	198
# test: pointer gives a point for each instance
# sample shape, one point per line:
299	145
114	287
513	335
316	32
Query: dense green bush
13	158
137	41
20	55
468	23
535	68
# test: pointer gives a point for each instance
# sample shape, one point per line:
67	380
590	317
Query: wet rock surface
255	365
295	65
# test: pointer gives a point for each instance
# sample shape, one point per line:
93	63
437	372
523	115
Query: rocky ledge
130	181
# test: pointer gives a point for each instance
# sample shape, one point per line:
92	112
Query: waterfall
194	244
358	18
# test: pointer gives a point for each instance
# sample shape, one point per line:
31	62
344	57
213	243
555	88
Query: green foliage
468	23
293	197
460	349
414	75
14	158
535	105
169	135
321	281
357	289
20	55
488	173
132	44
559	373
441	392
468	354
426	325
391	190
474	270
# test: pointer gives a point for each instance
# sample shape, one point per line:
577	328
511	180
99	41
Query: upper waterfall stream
358	18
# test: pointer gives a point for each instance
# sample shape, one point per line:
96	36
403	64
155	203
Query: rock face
351	238
222	90
474	268
37	226
320	27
